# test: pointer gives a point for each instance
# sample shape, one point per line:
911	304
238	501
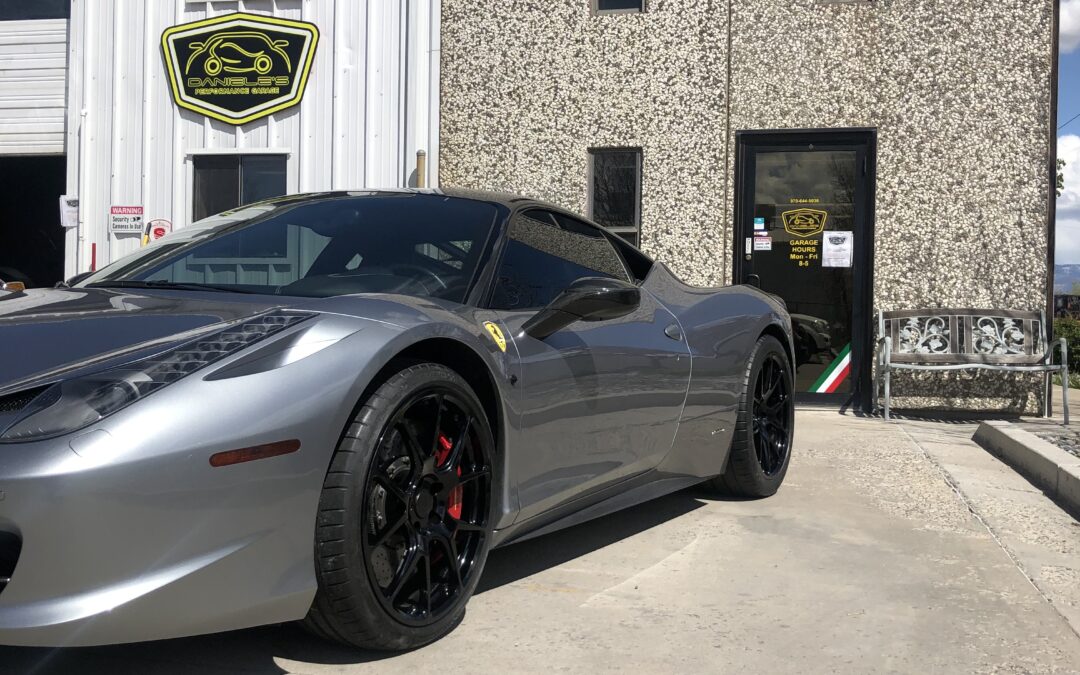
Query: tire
396	557
761	446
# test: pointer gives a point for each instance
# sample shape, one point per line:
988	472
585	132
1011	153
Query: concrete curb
1041	462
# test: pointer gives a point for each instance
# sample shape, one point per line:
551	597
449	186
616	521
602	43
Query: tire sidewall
376	412
766	347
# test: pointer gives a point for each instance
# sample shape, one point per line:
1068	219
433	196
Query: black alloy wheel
427	506
771	417
405	516
761	443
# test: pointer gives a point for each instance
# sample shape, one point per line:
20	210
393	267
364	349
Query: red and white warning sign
157	228
126	219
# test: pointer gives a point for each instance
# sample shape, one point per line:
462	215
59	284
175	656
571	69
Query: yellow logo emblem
239	67
805	222
496	335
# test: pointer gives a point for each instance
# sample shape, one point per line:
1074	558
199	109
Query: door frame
747	142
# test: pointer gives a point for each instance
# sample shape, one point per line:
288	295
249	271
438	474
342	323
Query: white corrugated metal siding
370	104
33	78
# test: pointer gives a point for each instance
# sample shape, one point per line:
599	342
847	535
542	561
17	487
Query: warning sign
126	219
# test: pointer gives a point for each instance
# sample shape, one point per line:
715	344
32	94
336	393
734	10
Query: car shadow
255	650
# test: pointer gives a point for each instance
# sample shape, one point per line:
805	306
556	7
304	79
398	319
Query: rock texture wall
529	85
959	93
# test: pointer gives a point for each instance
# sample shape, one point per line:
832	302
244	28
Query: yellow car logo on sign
496	335
805	222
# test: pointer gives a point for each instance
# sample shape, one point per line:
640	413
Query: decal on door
804	222
835	374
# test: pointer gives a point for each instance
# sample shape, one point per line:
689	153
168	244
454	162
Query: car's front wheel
403	528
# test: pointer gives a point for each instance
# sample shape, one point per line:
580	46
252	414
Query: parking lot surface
891	548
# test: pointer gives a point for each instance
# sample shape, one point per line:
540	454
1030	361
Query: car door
600	401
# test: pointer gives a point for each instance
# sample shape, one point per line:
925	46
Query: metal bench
967	339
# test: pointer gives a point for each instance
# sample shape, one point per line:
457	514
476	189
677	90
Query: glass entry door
803	215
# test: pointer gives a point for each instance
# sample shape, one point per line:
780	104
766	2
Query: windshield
415	244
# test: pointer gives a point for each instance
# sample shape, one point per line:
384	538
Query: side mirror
589	299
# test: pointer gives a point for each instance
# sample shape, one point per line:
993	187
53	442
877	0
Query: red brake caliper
441	455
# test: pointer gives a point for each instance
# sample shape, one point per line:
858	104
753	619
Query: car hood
46	330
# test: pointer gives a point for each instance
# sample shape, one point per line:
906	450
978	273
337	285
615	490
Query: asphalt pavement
897	547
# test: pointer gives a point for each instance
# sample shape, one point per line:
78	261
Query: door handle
753	280
674	332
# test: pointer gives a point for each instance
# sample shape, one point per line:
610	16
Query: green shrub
1070	330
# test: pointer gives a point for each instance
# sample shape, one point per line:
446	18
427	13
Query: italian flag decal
835	374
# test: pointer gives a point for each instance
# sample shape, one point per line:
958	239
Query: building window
19	10
618	6
615	190
223	182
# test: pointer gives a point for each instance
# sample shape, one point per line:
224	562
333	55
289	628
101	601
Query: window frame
594	7
590	199
239	157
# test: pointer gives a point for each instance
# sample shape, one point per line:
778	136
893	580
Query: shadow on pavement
255	650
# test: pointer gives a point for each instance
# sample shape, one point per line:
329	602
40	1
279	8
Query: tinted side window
542	258
592	250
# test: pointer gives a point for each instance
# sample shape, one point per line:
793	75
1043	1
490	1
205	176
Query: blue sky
1068	216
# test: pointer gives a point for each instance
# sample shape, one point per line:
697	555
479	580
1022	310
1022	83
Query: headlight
73	404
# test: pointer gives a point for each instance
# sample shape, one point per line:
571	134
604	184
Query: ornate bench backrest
957	336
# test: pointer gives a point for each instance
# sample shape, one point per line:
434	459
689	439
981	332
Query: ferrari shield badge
496	335
239	67
804	222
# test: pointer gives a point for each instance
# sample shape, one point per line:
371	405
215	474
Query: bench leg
1047	412
1065	393
888	394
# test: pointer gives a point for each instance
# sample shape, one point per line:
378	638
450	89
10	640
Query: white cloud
1068	204
1070	25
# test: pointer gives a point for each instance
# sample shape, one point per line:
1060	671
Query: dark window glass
593	250
615	191
216	184
637	262
223	182
542	258
619	5
13	10
423	245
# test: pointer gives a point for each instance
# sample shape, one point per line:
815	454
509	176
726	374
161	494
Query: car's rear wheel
404	519
761	447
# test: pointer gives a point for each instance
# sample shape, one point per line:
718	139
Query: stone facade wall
959	93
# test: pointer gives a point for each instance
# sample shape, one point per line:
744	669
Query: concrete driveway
887	550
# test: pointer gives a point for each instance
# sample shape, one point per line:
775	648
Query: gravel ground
1066	439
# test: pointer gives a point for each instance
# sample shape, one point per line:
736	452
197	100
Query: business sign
239	67
126	219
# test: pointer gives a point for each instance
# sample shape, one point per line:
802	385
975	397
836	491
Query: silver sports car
331	407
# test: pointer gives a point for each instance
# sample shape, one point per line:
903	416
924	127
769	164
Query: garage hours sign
239	67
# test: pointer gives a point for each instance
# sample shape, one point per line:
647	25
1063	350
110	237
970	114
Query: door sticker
838	250
804	222
496	335
759	223
803	251
763	243
835	374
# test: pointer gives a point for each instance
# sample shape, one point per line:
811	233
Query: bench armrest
1059	344
884	343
